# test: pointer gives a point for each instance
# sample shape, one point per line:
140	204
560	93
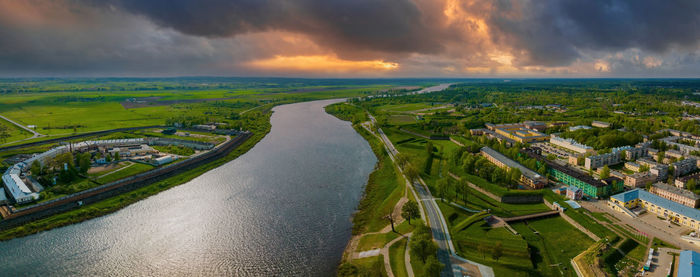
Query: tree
482	248
108	158
116	156
648	187
497	251
433	267
411	173
401	160
691	185
4	133
390	217
605	172
660	156
410	210
515	175
464	185
423	247
84	162
35	169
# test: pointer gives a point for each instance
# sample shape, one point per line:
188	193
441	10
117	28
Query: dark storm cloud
554	32
344	25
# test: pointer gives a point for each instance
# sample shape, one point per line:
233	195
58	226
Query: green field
397	253
554	243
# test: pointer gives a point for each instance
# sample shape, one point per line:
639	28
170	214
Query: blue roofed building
689	263
678	213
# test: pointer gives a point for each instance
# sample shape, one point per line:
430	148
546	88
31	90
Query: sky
350	38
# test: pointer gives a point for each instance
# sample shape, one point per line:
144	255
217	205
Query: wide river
283	208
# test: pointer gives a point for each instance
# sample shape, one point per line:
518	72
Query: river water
283	208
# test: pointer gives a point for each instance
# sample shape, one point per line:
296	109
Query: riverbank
118	202
384	194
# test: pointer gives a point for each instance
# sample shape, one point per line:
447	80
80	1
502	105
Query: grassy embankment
385	186
115	203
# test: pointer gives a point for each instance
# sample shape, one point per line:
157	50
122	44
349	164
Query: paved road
36	134
435	218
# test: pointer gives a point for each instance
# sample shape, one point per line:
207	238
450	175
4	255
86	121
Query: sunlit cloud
321	63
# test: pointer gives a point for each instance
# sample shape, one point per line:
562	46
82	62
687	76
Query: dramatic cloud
358	38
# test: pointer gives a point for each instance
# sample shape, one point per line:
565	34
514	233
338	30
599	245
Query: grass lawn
660	243
371	266
372	241
385	187
397	253
553	242
133	169
16	133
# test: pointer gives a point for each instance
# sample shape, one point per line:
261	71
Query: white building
570	144
15	187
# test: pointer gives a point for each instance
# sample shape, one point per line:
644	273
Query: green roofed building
569	176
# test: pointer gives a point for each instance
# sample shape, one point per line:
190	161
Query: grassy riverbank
118	202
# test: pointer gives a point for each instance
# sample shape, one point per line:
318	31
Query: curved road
35	133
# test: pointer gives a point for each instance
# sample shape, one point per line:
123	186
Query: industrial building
570	144
528	177
675	194
678	213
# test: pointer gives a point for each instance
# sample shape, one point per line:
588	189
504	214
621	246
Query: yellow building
657	205
520	134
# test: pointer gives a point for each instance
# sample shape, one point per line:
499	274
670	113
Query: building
633	153
640	179
682	182
633	166
579	127
682	148
535	125
673	154
689	264
528	177
164	159
600	124
205	127
662	207
678	195
572	177
684	167
574	193
593	162
517	132
3	197
570	144
16	187
573	159
660	170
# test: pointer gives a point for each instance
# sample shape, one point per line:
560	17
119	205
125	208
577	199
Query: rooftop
676	190
511	163
658	201
689	263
